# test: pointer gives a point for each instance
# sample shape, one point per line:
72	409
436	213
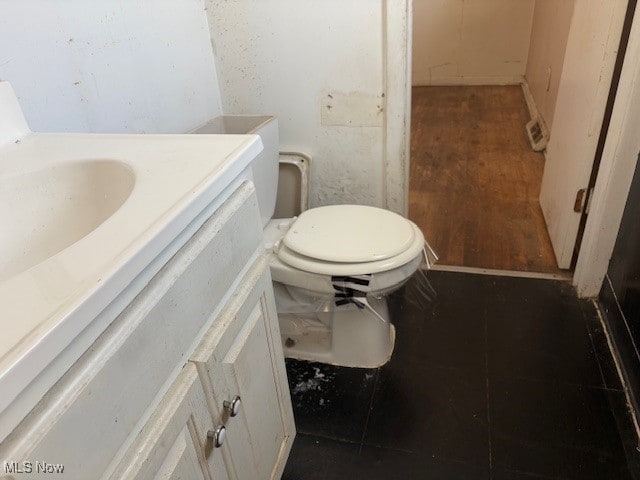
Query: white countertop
45	307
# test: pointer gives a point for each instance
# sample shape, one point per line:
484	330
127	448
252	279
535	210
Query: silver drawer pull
218	435
233	406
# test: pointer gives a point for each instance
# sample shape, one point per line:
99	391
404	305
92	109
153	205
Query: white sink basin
45	211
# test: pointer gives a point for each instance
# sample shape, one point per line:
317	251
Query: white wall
109	66
549	34
318	66
470	42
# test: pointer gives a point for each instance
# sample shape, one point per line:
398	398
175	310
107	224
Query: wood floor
475	181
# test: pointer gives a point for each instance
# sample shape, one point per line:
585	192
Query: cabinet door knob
233	405
218	435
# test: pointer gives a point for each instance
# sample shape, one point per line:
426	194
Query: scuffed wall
109	66
470	42
318	66
549	34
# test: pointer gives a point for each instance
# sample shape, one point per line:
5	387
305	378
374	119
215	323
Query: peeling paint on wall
285	58
350	163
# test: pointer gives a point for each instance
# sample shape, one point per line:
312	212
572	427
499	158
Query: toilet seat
381	283
321	267
349	234
387	252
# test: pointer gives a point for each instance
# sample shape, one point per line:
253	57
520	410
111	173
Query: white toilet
332	267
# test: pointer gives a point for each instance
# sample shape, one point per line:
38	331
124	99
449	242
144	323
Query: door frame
397	28
617	165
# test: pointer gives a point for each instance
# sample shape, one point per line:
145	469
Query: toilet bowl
331	297
332	267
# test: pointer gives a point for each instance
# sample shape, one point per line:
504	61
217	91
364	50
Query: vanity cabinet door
173	443
241	356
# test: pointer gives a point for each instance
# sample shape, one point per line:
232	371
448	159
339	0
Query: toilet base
351	337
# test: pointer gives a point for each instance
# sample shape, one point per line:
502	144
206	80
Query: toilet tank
265	165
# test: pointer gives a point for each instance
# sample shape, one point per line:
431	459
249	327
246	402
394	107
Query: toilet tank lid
349	234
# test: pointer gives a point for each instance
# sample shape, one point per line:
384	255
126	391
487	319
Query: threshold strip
563	276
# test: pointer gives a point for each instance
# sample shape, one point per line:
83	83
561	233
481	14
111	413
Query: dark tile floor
495	378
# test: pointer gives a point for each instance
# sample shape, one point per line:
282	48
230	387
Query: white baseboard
429	81
616	361
528	97
533	109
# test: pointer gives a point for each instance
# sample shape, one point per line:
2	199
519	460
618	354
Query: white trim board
618	365
397	28
528	97
501	273
533	109
468	81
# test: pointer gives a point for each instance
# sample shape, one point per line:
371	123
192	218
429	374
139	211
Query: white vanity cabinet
240	392
140	402
244	379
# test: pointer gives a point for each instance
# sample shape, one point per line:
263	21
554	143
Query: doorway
475	180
